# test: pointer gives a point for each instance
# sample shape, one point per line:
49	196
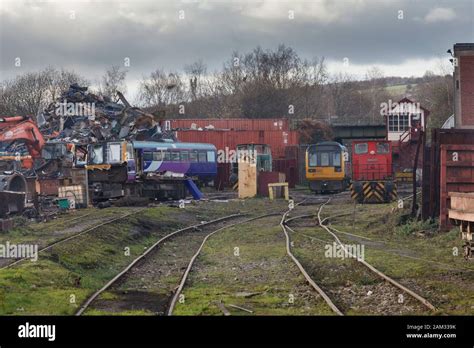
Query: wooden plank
241	308
461	215
222	308
247	179
461	194
462	203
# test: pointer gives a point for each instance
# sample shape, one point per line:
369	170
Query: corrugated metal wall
435	200
233	124
277	140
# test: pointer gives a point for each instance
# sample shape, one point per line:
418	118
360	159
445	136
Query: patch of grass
250	258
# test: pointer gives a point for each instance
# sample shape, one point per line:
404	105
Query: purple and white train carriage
147	168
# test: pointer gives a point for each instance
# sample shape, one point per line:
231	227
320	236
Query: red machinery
372	172
19	128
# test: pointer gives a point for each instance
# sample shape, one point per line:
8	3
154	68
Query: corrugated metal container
277	140
457	175
223	175
435	200
233	124
265	178
289	167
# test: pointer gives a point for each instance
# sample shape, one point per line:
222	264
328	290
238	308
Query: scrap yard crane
20	128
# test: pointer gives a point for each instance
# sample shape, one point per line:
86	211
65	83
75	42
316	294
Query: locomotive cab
372	172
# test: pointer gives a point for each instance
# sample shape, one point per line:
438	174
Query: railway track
75	235
151	258
305	274
332	232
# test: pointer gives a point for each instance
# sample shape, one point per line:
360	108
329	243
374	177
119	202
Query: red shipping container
277	140
223	175
265	178
233	124
289	167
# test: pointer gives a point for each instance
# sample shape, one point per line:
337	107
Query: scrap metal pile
82	117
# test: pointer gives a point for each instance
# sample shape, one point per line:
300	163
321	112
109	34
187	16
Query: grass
425	262
80	266
262	269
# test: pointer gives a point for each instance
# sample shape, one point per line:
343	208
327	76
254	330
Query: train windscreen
324	156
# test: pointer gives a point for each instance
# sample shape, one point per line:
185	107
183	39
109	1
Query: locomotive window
158	156
185	156
324	159
211	156
167	156
361	148
202	156
175	156
114	153
147	156
129	151
383	148
336	159
193	156
312	159
97	156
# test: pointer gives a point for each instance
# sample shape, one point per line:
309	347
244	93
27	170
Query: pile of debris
82	117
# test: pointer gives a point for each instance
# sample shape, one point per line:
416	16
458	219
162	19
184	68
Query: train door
130	159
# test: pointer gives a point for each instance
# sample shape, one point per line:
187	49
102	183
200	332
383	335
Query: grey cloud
150	33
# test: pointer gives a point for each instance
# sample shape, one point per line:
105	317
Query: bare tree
161	89
28	93
112	81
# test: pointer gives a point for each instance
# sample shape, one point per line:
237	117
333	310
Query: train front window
97	156
114	153
211	156
383	148
313	160
361	148
324	159
336	159
147	156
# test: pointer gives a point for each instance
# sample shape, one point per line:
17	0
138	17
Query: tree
27	94
112	81
161	89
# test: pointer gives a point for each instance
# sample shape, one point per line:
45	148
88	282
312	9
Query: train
326	167
158	170
370	177
373	178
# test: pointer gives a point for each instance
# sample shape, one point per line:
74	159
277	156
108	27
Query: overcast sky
402	37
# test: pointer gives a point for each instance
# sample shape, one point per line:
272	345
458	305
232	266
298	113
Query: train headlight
338	169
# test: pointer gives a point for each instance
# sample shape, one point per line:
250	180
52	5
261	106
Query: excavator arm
25	130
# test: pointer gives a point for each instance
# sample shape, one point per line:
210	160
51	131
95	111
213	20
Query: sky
401	37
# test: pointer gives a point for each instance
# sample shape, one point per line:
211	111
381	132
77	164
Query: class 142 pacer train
158	170
371	178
